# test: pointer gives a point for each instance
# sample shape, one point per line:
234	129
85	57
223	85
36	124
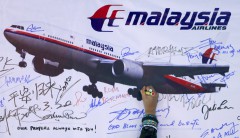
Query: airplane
55	49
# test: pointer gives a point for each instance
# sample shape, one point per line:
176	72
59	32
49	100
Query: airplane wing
163	76
160	69
134	70
177	85
171	84
184	70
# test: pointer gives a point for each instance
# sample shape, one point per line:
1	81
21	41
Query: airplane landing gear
93	90
22	63
135	93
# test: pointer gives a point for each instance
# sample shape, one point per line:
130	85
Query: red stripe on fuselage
188	85
59	43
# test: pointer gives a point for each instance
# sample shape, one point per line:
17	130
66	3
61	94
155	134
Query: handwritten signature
206	109
226	77
187	100
161	50
226	129
213	78
96	103
18	80
218	48
66	114
4	69
32	28
193	123
134	113
127	52
36	113
65	88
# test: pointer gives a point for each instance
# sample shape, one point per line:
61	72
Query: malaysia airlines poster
75	68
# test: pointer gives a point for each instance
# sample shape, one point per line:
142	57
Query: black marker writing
206	109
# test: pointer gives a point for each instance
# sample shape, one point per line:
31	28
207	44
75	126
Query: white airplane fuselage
71	50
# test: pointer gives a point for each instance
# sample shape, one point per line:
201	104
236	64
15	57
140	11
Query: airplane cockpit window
14	26
17	26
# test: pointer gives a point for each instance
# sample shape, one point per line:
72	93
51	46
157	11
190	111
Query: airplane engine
46	67
127	69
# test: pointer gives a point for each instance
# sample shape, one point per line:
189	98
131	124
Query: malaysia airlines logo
189	20
100	16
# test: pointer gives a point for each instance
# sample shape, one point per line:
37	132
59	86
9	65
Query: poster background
101	120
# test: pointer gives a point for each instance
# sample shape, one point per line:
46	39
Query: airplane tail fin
208	55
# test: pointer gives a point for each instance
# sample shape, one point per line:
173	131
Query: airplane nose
6	33
11	37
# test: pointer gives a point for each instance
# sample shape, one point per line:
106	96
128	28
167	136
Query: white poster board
36	105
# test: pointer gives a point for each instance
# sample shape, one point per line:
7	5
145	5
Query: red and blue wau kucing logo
99	17
205	20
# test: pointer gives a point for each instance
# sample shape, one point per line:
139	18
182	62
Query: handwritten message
224	130
63	101
219	48
6	65
52	108
162	50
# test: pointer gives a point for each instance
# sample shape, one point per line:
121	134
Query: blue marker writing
127	52
1	102
32	28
